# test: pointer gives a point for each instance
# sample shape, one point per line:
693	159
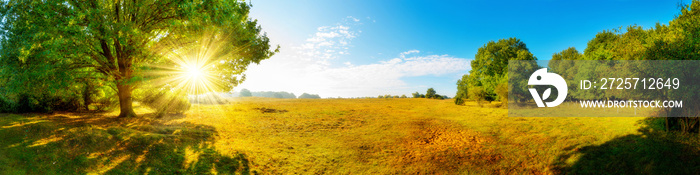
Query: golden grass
317	136
390	136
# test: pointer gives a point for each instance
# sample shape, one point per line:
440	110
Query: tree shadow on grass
75	143
651	152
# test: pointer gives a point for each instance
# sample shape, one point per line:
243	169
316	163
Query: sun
195	78
193	72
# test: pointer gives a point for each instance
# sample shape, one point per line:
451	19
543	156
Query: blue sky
369	48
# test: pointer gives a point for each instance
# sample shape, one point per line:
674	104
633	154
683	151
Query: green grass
90	143
341	136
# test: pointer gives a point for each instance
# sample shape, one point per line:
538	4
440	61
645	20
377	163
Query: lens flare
199	70
195	76
194	72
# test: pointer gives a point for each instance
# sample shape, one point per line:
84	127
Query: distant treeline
273	94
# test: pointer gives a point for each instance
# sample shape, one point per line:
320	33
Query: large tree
490	67
119	39
564	64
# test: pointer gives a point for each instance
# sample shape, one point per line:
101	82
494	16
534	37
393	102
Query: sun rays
193	70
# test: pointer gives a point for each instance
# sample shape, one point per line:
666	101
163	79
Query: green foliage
600	47
490	69
562	63
87	144
404	96
492	59
680	40
430	93
459	101
462	89
53	45
416	95
105	98
478	93
502	92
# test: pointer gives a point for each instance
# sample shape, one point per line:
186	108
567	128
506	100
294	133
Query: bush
459	101
39	103
502	92
477	93
165	101
6	105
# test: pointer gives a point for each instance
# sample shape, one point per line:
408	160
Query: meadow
340	136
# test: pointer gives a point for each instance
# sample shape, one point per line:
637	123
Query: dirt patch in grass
440	147
270	110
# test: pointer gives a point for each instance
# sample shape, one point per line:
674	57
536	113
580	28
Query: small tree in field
430	93
416	95
462	89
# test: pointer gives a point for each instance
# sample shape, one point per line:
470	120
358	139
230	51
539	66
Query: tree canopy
490	70
123	44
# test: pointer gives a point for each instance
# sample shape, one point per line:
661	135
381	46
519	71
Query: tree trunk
125	100
87	92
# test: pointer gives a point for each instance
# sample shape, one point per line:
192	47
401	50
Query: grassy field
340	136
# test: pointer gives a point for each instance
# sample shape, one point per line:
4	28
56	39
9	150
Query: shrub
165	101
502	92
459	101
477	93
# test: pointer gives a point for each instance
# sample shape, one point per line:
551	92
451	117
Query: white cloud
328	42
308	68
349	80
403	54
352	18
